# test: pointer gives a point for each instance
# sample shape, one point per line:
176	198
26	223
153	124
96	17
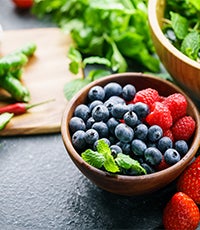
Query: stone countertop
40	187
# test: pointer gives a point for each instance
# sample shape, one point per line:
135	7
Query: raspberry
168	133
147	96
177	104
163	165
183	128
160	115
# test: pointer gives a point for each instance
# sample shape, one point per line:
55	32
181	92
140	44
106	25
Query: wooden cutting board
45	76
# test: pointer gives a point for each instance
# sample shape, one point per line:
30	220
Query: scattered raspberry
168	133
183	128
160	115
177	104
147	96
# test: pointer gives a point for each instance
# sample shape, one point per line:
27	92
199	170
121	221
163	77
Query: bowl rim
155	27
195	144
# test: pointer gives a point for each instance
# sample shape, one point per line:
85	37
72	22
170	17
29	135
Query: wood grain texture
45	76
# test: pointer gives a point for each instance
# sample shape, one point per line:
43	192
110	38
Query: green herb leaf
93	158
98	73
89	22
96	60
109	163
76	60
191	45
179	25
126	162
72	87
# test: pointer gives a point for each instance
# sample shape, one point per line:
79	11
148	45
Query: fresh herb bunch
182	26
110	32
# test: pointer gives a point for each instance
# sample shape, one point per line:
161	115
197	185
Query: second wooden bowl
185	71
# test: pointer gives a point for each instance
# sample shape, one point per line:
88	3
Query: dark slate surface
40	188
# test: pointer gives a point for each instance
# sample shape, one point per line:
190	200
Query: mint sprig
103	159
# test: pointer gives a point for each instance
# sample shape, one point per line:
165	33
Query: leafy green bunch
103	159
112	33
182	26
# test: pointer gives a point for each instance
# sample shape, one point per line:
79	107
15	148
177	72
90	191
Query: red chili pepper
19	107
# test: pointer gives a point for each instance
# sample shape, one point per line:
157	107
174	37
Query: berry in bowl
125	132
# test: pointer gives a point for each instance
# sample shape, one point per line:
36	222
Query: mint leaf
76	60
93	158
191	45
72	87
179	25
126	162
96	60
109	163
98	73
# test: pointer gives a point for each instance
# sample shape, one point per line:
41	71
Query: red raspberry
147	96
163	165
159	115
168	133
177	104
183	128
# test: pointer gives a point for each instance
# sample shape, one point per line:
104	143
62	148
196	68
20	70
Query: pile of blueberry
108	115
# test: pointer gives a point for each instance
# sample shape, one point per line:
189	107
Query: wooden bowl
124	184
185	71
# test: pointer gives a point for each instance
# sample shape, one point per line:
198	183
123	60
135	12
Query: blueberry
164	143
126	147
141	109
119	110
113	140
152	156
138	147
91	136
115	149
76	123
171	156
155	132
112	89
128	92
82	111
112	123
117	99
102	128
96	142
100	113
124	133
148	168
182	147
130	107
130	118
96	93
94	104
90	121
78	140
109	104
141	132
